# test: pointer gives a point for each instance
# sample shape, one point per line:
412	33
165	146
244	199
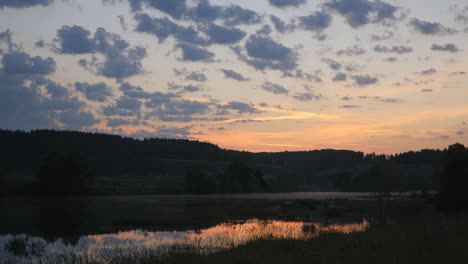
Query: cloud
265	30
24	3
124	107
184	88
334	65
428	72
230	74
164	28
121	61
274	88
362	12
173	132
29	101
174	8
231	15
282	26
180	110
447	47
364	80
40	44
458	73
71	119
191	75
95	92
353	51
23	63
234	15
391	100
349	106
305	97
430	28
6	37
339	77
223	35
134	91
461	13
118	122
286	3
393	49
239	107
300	74
75	40
194	53
390	59
387	35
317	21
128	103
265	53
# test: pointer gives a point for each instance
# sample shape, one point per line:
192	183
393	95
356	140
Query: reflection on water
223	236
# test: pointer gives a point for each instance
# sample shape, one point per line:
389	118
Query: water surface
106	247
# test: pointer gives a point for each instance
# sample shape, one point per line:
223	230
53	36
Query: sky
382	76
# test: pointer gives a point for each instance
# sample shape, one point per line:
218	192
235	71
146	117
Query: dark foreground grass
440	240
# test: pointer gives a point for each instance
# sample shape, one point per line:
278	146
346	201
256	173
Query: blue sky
264	75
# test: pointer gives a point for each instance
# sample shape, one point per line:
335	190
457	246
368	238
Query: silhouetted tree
121	156
344	181
454	181
240	178
64	175
2	182
200	183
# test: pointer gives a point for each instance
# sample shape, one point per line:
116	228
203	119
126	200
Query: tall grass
137	244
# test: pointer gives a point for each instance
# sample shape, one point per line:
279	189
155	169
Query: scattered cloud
286	3
393	49
230	74
447	47
353	51
121	61
349	106
334	65
191	75
305	97
23	63
98	92
24	3
431	28
194	53
428	72
265	53
339	77
274	88
184	88
362	12
364	80
317	21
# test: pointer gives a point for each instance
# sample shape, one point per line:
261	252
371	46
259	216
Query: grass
440	240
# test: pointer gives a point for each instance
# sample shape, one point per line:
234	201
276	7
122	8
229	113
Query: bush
17	246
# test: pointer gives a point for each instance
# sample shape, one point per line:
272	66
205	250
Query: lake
121	246
54	218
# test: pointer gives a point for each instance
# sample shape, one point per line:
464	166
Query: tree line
49	155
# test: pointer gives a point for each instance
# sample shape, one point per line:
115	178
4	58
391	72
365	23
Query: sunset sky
259	75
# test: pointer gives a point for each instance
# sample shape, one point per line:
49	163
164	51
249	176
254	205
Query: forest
121	165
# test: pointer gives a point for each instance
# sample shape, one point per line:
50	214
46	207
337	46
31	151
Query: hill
153	165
